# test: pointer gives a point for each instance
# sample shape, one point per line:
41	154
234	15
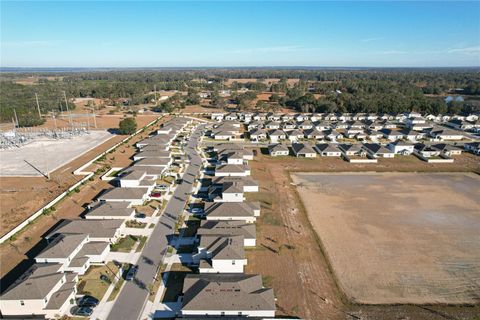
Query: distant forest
329	90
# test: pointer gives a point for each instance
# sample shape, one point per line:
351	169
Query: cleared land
41	156
418	234
290	258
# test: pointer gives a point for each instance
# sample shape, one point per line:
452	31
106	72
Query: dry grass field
289	253
409	238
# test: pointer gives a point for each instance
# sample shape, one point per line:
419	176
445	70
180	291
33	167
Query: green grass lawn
135	224
124	244
141	243
90	282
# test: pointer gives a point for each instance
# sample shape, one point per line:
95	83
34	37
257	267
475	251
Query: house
136	179
473	147
392	134
246	184
230	191
75	252
447	149
136	196
289	126
257	135
240	211
44	290
232	170
352	150
374	135
110	210
411	135
305	125
276	150
218	116
221	254
446	134
324	125
151	154
313	133
97	230
223	295
231	117
295	135
272	125
303	150
426	151
276	135
223	135
352	133
400	147
254	125
229	228
376	150
233	156
333	135
328	150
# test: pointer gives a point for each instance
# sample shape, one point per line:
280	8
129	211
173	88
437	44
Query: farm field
409	238
288	252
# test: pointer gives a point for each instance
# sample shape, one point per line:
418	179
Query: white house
232	170
136	196
110	210
221	254
225	211
276	135
376	150
400	147
44	290
276	150
229	228
328	150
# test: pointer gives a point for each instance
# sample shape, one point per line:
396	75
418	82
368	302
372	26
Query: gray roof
124	194
152	162
376	148
62	246
36	283
327	147
227	228
117	209
223	247
302	148
245	181
94	228
229	292
134	174
153	154
231	209
232	168
59	297
277	147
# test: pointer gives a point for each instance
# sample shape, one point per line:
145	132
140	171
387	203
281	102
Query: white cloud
27	43
468	50
371	39
392	52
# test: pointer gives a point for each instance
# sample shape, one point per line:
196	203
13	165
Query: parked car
197	211
81	311
105	278
156	194
140	215
131	273
88	301
161	187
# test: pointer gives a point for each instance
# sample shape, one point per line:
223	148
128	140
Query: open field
41	156
20	197
289	255
417	234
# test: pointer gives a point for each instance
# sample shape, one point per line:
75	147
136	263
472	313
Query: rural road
133	297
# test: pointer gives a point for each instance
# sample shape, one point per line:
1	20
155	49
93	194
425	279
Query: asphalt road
133	297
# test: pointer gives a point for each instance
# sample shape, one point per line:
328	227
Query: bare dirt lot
418	234
289	255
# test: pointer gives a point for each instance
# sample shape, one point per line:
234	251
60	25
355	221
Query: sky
239	33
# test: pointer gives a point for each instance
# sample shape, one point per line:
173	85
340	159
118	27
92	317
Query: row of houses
370	150
49	286
221	288
408	117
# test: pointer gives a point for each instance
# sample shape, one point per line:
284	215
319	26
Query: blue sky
221	33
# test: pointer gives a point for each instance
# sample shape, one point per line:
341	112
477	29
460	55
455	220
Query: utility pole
155	89
38	105
16	118
54	119
66	104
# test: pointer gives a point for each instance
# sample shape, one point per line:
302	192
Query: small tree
128	126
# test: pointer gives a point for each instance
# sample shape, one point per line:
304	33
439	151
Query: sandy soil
289	255
20	197
417	234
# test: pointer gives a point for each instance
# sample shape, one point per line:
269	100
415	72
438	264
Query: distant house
376	150
400	147
295	135
135	196
276	135
448	149
221	254
426	151
303	150
257	135
473	147
232	170
328	150
314	133
108	230
352	150
110	210
276	150
446	134
229	228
